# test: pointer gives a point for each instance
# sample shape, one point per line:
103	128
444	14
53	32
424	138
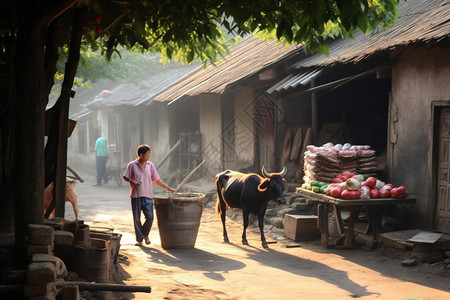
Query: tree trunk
29	168
30	101
63	105
7	141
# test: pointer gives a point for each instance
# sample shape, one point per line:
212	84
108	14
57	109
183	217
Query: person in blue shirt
101	149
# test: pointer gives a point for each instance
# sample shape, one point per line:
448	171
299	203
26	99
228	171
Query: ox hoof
244	242
226	240
265	245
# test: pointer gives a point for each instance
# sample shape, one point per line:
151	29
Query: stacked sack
326	162
348	157
367	161
320	163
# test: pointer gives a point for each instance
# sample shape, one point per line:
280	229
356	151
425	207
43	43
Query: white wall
211	129
244	126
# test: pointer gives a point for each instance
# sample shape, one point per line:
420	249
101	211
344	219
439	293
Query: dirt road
217	270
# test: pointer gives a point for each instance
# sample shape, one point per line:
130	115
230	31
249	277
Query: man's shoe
138	244
147	240
97	184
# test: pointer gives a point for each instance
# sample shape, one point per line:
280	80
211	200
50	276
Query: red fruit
346	175
385	193
371	182
398	192
390	185
99	30
336	192
329	188
355	194
346	194
97	19
338	180
374	193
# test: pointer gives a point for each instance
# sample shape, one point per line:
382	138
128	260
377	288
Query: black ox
249	192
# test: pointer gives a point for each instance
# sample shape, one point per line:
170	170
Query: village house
389	90
385	89
227	109
116	112
205	115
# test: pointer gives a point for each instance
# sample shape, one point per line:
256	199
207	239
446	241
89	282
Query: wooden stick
168	154
88	286
75	174
188	176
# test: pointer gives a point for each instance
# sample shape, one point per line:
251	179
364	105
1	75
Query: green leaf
190	56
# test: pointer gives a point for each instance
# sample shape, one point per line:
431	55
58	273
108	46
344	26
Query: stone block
429	256
41	272
40	235
286	210
44	258
49	296
301	206
15	277
39	249
34	290
63	237
61	269
276	221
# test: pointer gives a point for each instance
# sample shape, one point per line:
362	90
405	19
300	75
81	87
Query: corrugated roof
141	90
248	57
419	21
294	81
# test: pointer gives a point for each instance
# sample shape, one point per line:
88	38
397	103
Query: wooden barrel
82	235
179	219
114	239
92	262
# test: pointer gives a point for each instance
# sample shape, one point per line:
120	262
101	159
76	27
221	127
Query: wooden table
374	211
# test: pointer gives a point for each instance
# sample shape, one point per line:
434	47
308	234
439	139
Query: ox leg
223	215
261	229
245	214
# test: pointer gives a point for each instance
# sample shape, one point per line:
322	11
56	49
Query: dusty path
216	270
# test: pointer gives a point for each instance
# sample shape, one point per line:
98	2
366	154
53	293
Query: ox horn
283	172
263	171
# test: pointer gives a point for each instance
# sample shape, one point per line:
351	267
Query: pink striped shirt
145	177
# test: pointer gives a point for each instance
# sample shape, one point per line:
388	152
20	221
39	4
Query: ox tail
219	197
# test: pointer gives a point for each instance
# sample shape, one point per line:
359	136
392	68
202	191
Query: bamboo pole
174	147
188	176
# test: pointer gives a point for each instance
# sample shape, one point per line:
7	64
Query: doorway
442	170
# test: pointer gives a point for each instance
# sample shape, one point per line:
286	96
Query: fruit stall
344	177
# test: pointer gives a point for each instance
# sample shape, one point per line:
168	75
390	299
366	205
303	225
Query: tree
33	34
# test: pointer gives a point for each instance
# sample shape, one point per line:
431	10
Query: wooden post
315	126
354	212
322	211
